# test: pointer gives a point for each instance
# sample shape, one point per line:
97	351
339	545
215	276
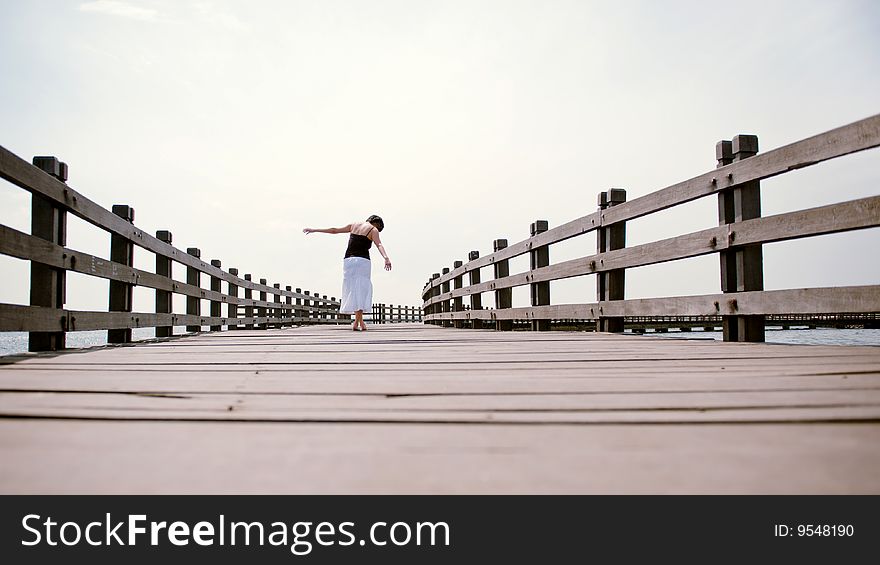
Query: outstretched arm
374	235
343	229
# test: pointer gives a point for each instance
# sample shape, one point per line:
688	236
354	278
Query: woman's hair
376	221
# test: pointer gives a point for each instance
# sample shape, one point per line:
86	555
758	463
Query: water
820	336
16	342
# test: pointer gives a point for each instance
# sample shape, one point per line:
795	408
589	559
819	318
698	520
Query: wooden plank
858	136
835	218
18	318
794	301
181	458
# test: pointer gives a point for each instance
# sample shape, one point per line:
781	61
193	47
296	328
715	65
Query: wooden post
249	306
262	311
277	311
216	308
325	315
288	313
445	304
504	296
307	303
232	309
476	298
298	312
540	257
457	303
749	258
727	215
194	303
163	297
122	252
435	292
610	284
49	222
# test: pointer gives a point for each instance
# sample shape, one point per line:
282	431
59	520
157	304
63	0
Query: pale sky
235	124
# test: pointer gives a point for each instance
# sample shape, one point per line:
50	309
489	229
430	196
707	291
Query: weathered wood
163	297
48	222
445	306
726	215
276	311
263	312
797	301
539	257
610	284
216	305
457	305
290	312
749	258
249	308
503	297
232	290
834	218
193	278
858	136
328	404
121	294
474	280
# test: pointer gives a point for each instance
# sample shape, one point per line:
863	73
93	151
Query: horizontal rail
738	240
852	138
851	299
14	317
834	218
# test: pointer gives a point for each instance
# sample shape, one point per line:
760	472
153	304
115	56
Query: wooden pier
419	409
280	396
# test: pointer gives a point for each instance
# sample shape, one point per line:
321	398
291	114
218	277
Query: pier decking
420	409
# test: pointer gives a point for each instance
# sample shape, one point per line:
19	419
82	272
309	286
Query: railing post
298	312
504	296
610	284
289	312
163	297
727	215
193	303
476	298
325	315
307	304
278	312
49	222
457	303
262	311
249	305
435	292
445	304
749	260
216	308
540	257
232	308
122	252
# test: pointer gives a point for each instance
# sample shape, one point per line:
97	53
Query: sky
236	124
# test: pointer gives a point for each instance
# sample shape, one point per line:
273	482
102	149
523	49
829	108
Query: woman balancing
357	290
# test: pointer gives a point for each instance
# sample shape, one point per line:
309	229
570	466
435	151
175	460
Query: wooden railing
250	304
391	314
738	240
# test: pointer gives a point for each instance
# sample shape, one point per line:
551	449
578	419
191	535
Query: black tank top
358	246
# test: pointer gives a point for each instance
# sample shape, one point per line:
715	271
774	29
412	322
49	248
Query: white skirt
357	289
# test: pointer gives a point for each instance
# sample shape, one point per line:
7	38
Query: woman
357	290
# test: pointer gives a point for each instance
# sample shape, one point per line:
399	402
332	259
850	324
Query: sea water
17	342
